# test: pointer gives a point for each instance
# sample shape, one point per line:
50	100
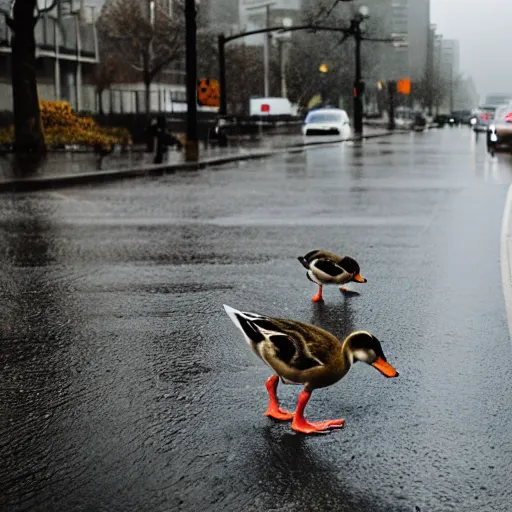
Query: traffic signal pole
358	83
192	144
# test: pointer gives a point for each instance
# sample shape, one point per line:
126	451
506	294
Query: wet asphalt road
124	386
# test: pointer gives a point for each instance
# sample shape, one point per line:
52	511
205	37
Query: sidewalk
70	168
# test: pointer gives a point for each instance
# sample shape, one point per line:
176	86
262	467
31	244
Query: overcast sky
484	29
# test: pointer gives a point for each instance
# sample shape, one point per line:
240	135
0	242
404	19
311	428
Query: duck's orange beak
385	368
358	278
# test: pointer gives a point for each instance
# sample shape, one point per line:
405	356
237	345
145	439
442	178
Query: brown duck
304	354
325	267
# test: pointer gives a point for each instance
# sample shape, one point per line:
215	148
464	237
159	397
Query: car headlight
473	121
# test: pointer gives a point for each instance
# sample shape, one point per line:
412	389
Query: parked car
327	121
499	133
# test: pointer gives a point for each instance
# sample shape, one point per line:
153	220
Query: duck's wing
282	344
327	269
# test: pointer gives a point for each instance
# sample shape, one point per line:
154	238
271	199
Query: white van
271	107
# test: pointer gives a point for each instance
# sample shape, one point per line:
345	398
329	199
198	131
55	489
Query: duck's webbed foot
273	410
310	427
279	414
300	424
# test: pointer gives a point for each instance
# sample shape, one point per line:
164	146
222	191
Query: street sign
208	92
404	86
265	107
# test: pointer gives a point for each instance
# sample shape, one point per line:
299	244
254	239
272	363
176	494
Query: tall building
221	15
450	59
450	69
466	96
418	30
407	21
253	15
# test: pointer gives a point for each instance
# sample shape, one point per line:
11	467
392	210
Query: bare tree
244	72
105	73
303	76
28	130
431	91
145	41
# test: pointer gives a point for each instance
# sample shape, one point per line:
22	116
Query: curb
505	257
66	180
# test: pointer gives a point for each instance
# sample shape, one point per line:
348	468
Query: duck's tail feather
303	262
245	322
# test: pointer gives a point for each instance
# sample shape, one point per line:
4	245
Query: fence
123	101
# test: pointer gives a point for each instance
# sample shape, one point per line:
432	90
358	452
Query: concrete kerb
505	257
67	180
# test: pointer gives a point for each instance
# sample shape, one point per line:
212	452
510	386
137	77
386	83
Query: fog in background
483	28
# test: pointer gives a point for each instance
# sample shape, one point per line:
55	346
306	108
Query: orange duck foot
279	414
306	427
318	296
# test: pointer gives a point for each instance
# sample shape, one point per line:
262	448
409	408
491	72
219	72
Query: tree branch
48	8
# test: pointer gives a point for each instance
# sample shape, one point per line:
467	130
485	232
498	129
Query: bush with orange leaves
62	127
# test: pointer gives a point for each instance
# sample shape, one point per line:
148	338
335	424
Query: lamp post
282	40
323	69
192	146
356	30
268	41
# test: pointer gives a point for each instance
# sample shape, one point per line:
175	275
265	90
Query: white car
327	121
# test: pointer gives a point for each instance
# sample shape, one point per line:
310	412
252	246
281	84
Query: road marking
505	257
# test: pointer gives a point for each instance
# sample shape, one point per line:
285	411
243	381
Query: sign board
208	92
403	86
265	107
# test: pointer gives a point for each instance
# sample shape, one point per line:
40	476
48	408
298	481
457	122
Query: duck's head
352	267
363	346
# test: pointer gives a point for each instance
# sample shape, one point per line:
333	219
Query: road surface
125	387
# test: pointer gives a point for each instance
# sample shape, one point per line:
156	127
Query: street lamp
266	4
364	12
192	147
323	69
282	40
152	13
356	30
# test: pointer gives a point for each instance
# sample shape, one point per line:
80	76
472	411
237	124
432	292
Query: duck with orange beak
325	267
300	353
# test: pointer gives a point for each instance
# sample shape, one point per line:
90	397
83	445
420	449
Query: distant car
483	116
327	121
499	133
465	117
420	121
461	117
441	119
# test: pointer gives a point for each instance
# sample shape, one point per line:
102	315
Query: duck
303	354
326	267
